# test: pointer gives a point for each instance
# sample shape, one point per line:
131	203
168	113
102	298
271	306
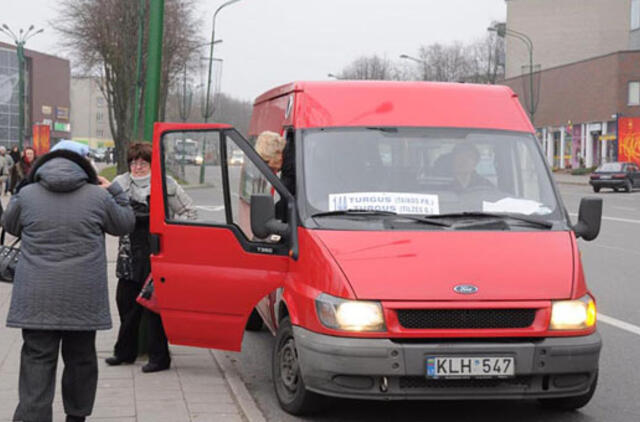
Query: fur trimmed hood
62	171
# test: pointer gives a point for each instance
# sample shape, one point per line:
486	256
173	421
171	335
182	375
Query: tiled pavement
195	389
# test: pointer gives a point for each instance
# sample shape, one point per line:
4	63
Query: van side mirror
263	220
589	218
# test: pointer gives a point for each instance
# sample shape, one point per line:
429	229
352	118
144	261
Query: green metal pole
21	63
136	107
154	67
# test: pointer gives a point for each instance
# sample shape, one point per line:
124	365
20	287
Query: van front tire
292	394
571	403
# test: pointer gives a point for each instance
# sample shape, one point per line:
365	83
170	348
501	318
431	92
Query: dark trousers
38	362
131	312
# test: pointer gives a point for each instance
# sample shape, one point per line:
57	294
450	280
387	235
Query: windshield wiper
354	212
358	212
478	214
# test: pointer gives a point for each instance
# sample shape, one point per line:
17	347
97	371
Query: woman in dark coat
134	263
23	166
60	296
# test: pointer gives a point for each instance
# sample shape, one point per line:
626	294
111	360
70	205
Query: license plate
605	177
451	367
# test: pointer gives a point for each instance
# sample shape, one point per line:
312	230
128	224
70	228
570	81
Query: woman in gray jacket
60	296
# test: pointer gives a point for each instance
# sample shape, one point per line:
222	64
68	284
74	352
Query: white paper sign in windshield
515	205
401	203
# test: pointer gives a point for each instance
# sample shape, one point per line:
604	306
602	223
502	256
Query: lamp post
502	31
425	75
20	40
208	113
332	76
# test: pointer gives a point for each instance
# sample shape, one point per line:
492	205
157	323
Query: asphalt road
613	274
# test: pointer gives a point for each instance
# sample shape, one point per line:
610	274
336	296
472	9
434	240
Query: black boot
115	361
155	367
75	418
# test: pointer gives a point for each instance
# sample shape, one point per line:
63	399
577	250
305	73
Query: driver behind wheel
465	160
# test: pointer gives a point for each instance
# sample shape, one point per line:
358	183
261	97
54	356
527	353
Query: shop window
635	14
634	93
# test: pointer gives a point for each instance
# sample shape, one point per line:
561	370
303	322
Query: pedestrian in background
134	263
23	167
62	212
15	156
5	168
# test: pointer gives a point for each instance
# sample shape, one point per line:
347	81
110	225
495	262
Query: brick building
47	84
586	55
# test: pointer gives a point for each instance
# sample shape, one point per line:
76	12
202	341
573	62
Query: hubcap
289	365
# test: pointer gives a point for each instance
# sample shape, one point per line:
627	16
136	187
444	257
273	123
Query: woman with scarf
134	265
23	166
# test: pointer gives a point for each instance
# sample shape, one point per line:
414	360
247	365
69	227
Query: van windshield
426	171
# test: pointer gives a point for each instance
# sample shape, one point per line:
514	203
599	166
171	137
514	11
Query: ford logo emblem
465	289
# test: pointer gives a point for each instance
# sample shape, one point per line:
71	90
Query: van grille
465	318
412	382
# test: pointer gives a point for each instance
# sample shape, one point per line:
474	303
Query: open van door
209	269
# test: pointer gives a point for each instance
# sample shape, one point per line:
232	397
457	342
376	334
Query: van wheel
292	394
596	189
254	323
571	403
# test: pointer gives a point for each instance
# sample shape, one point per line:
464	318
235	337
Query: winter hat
77	147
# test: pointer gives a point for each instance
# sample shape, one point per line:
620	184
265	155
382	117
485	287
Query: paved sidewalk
195	389
568	179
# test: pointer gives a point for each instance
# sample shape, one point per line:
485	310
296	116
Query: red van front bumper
386	369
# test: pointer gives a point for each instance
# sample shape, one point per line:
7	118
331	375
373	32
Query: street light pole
502	31
20	40
154	67
207	112
424	64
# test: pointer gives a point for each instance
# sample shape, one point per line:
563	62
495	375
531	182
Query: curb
239	390
562	182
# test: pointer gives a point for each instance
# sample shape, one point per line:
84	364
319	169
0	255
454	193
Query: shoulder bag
9	255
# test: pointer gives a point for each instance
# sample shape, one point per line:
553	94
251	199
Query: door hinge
154	242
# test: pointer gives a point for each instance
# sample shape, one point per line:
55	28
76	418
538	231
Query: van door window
245	180
192	159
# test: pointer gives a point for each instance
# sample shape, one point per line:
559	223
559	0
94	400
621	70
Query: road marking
625	208
210	208
634	329
620	220
616	249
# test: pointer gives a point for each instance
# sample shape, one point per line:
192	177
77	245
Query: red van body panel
408	104
425	266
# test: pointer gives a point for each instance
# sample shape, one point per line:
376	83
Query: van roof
404	104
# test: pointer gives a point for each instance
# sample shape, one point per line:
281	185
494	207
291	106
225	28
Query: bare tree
371	68
101	35
486	60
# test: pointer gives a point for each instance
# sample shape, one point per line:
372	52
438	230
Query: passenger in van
270	146
465	158
279	155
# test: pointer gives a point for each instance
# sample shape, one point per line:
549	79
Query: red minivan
414	246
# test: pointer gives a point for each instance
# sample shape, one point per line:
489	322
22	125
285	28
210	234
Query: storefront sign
41	139
47	110
62	113
629	141
62	127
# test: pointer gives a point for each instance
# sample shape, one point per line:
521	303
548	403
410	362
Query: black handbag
9	255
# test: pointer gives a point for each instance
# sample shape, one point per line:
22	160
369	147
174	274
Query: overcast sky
270	42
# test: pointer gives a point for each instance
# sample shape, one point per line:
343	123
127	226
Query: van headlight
576	314
349	315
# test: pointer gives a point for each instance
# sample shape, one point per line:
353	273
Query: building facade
47	101
586	79
89	113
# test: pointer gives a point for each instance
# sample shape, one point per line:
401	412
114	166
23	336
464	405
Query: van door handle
154	243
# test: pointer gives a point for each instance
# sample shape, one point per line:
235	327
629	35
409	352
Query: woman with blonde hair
270	146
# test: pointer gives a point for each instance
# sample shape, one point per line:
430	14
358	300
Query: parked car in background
618	175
